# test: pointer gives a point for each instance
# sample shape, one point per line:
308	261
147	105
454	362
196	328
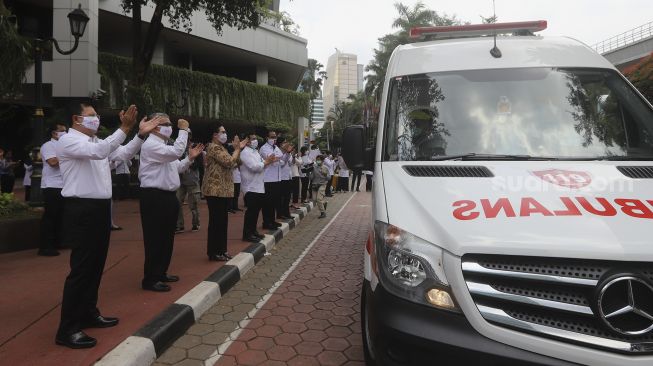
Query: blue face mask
318	162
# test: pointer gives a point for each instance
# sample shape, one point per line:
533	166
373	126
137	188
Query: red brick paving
313	317
32	287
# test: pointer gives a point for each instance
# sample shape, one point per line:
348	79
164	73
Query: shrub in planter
10	207
19	225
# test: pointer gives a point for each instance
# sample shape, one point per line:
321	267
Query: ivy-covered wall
210	96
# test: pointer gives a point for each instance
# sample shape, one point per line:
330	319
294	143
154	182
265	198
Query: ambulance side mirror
354	150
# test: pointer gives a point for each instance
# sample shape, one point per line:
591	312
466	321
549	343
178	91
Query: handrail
625	39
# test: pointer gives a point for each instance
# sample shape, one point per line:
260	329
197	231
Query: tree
315	76
417	16
312	83
641	75
234	13
345	113
15	57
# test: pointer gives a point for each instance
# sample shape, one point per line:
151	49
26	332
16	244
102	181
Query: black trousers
294	189
87	228
7	183
271	205
343	184
356	179
28	193
368	183
254	203
218	224
328	186
285	189
52	219
122	186
305	188
159	211
234	204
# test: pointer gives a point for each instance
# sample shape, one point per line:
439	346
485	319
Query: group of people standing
77	190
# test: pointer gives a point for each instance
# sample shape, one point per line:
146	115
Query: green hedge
210	96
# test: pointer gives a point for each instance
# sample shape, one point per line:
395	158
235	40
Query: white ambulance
512	205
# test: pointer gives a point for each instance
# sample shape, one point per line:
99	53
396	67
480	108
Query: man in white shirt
252	185
158	172
51	185
84	164
272	179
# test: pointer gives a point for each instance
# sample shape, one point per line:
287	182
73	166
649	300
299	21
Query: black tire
368	349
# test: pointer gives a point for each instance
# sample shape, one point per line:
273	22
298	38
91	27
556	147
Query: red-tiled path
313	318
31	289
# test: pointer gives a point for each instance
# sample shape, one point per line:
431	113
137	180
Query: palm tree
312	83
417	16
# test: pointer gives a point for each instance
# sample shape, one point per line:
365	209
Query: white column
262	75
75	75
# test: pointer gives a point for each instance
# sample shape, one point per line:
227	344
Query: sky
353	26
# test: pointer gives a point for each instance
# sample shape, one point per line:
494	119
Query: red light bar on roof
457	31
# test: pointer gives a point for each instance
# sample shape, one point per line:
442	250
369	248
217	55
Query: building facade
265	55
344	79
317	114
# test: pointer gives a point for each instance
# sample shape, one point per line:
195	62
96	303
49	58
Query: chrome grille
550	297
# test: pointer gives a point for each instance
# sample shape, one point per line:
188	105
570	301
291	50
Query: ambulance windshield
554	112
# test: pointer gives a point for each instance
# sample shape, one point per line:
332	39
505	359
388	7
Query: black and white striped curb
149	342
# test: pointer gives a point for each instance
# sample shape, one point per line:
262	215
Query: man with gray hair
159	175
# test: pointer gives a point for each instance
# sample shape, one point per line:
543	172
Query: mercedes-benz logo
625	305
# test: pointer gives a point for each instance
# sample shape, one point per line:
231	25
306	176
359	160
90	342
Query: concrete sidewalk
32	289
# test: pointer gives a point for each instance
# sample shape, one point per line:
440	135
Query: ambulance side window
391	125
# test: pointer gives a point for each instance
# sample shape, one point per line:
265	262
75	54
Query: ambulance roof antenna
495	51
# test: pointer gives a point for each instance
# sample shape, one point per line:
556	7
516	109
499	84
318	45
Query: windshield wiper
626	158
475	156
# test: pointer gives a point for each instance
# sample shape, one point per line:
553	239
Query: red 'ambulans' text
566	206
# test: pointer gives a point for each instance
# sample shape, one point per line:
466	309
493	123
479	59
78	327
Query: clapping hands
146	126
194	152
128	117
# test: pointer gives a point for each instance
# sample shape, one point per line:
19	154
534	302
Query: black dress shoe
100	322
284	218
76	340
252	239
170	278
277	224
157	287
270	227
259	235
219	258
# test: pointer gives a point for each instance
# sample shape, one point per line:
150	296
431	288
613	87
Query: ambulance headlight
410	267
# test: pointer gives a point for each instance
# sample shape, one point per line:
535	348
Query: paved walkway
32	286
298	306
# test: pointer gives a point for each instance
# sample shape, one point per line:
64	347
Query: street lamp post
78	20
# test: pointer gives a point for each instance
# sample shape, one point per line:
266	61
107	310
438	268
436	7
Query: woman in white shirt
343	180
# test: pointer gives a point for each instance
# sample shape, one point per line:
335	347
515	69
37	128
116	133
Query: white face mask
165	131
272	141
91	122
60	133
253	144
222	137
